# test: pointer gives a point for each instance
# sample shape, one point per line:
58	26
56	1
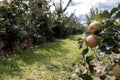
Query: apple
116	71
94	26
91	41
99	71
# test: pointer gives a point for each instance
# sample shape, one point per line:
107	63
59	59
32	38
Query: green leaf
116	51
98	17
113	10
85	51
103	15
108	52
89	58
106	14
108	42
86	77
85	34
91	67
80	41
116	28
117	15
109	32
108	23
117	38
103	48
104	77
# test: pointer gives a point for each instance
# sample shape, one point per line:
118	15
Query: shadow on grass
41	54
9	68
44	53
75	37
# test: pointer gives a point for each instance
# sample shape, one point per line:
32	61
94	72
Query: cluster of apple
92	40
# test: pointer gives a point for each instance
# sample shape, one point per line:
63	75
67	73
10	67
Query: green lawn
51	61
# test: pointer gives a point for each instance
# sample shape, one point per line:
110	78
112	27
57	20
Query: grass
51	61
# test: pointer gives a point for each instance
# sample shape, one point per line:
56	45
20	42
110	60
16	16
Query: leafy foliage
109	45
31	22
12	23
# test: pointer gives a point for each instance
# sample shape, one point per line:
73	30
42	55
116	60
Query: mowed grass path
51	61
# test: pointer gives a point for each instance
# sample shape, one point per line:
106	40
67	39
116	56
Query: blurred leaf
104	77
117	38
108	23
108	42
103	48
113	10
108	52
91	68
85	51
119	6
116	51
80	41
98	17
85	34
86	77
105	14
117	15
116	28
89	58
109	32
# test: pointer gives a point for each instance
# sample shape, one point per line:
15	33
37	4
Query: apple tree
100	48
12	22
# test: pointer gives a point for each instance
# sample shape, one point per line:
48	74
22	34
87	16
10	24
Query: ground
51	61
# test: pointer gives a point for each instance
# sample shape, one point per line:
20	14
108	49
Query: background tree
12	23
31	22
92	14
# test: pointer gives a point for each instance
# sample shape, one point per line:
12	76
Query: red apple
116	71
91	41
94	26
99	71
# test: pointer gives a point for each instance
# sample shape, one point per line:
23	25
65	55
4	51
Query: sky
82	7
